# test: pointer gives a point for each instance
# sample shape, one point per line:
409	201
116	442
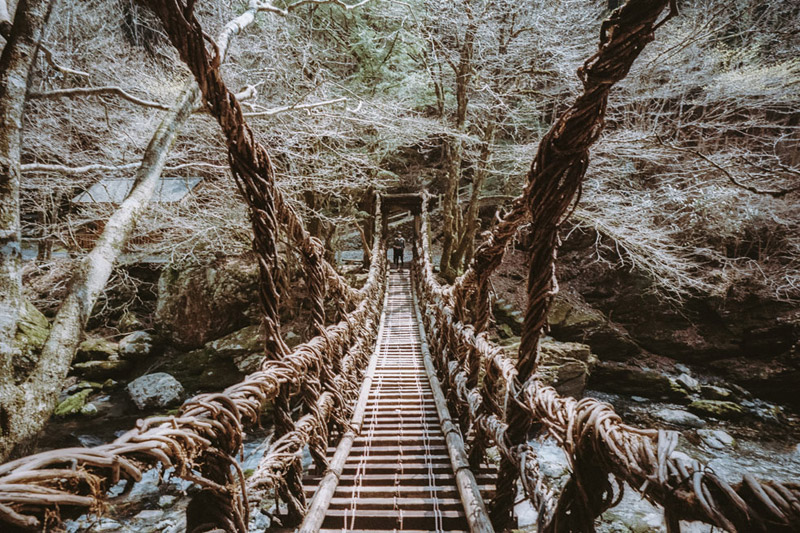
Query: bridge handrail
35	491
593	436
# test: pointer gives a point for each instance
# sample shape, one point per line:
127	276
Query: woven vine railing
202	441
602	451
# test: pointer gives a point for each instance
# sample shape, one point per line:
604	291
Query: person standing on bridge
398	247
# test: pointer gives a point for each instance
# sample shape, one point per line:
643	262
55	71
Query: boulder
96	349
717	409
73	404
688	382
199	304
679	417
572	319
103	370
712	392
620	378
136	345
716	438
245	347
155	390
566	366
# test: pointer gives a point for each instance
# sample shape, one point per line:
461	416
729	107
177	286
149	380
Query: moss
717	409
73	404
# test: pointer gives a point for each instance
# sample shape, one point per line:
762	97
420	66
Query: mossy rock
712	392
96	349
102	370
635	381
717	409
74	403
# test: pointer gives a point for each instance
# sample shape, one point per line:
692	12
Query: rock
96	349
149	515
244	341
688	382
107	525
167	500
620	378
129	322
572	319
199	304
565	366
712	392
292	339
136	345
717	409
504	331
683	369
102	370
155	390
89	409
250	363
73	404
716	438
32	331
245	347
82	385
639	399
679	417
504	313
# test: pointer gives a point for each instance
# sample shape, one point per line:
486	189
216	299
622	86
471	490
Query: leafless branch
64	169
283	109
248	93
775	193
48	56
98	91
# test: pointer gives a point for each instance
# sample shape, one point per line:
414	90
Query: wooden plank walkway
398	474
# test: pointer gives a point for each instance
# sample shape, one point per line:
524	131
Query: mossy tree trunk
16	65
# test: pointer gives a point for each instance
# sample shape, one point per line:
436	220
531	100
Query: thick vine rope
596	441
37	491
203	440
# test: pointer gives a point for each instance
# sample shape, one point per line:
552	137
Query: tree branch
283	109
247	93
92	91
775	193
64	169
48	56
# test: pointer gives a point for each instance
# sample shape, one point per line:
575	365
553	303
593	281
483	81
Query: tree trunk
30	403
455	151
470	225
450	205
16	65
25	408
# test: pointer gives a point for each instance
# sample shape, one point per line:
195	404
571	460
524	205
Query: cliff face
747	336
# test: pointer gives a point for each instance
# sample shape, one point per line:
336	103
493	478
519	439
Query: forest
598	212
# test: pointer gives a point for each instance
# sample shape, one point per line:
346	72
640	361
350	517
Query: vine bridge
399	401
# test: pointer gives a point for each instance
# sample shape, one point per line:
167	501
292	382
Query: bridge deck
398	474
